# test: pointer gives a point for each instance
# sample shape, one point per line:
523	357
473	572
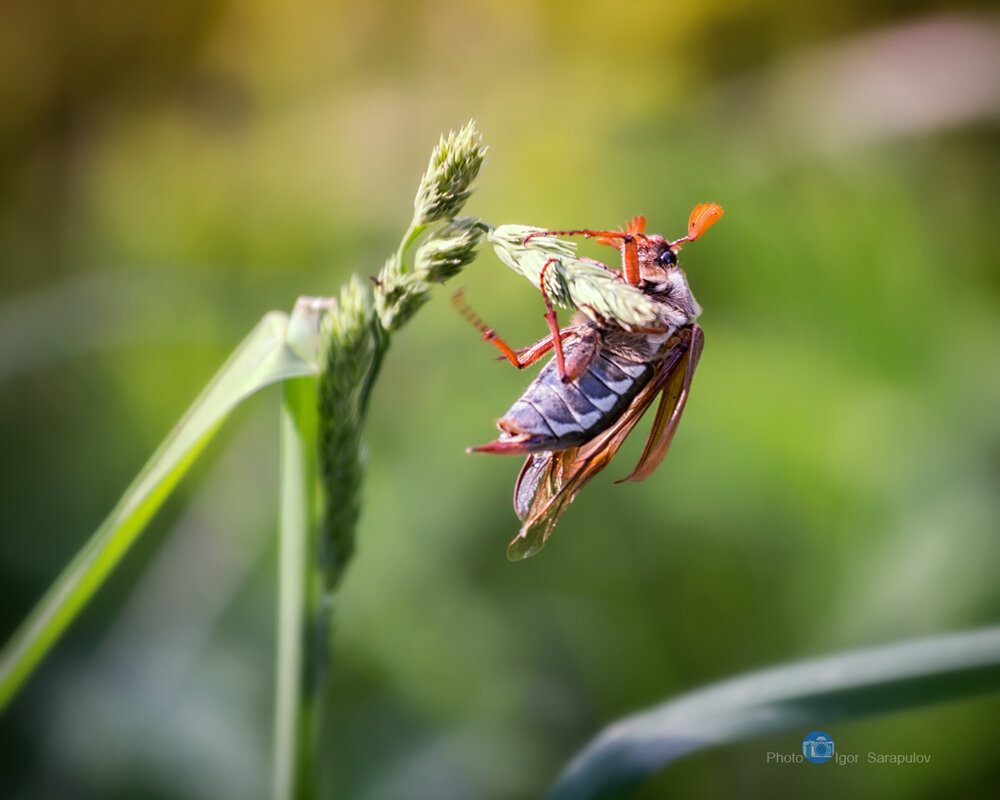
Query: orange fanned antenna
635	225
703	217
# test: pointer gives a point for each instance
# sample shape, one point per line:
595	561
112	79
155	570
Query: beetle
575	415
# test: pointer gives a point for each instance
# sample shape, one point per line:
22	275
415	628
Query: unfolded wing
668	415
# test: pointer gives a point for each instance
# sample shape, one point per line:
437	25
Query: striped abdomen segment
556	415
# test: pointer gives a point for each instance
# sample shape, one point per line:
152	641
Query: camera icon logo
817	747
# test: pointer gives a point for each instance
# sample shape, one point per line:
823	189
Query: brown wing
549	481
668	415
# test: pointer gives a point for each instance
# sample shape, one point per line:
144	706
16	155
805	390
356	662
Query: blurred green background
170	171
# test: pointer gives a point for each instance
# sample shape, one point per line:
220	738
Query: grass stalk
322	465
301	637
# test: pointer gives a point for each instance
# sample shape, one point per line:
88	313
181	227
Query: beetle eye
668	258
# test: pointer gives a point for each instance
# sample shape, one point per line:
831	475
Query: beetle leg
630	260
581	355
630	247
519	358
586	232
553	321
531	354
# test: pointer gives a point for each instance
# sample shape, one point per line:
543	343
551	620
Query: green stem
412	234
321	446
302	638
381	339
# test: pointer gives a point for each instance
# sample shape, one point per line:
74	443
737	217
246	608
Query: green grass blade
301	616
266	355
804	696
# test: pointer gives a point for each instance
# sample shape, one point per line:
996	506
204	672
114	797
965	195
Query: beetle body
573	417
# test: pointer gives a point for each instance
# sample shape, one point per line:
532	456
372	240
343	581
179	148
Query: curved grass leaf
802	696
278	348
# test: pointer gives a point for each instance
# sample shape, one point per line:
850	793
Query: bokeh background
171	171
